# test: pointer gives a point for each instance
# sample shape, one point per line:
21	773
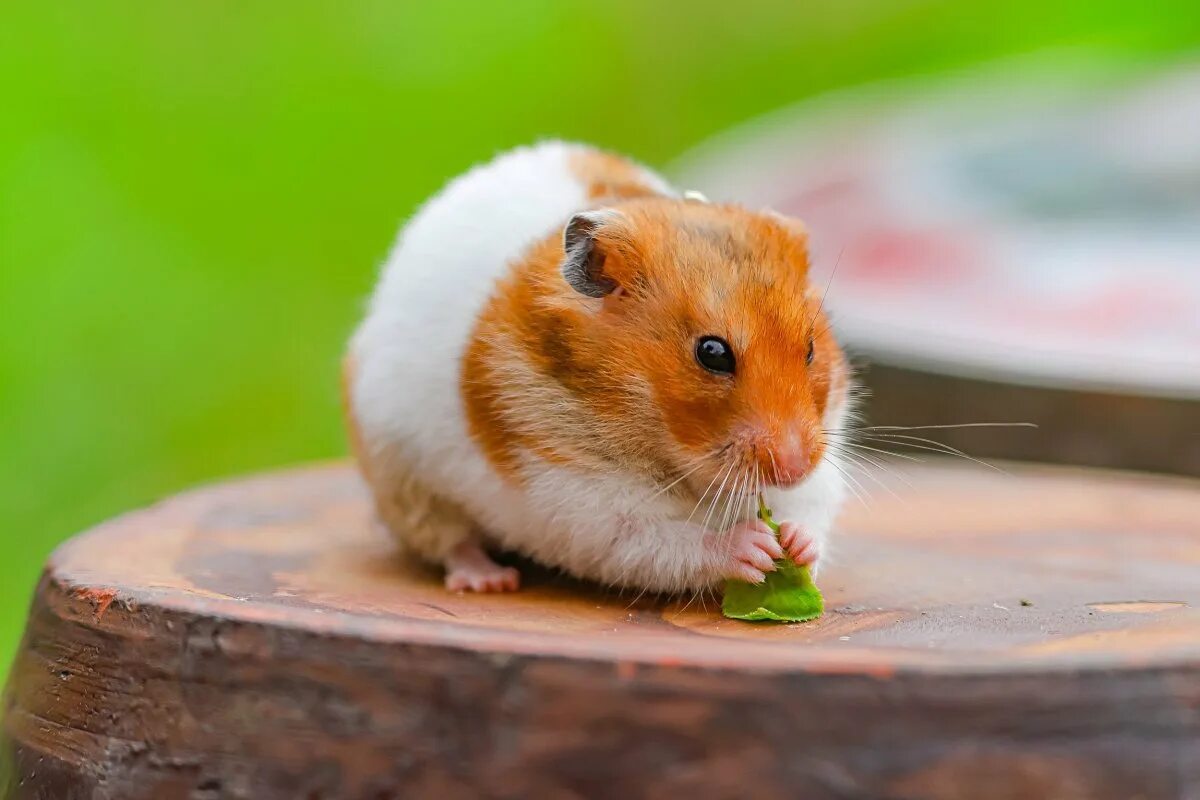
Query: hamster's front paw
800	547
469	568
748	551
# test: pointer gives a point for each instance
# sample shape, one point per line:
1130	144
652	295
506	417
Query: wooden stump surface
1034	633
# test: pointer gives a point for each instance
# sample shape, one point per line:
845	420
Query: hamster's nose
790	467
791	460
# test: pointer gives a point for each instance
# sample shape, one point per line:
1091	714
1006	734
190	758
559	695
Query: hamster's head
719	355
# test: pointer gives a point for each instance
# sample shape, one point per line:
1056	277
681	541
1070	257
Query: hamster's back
407	353
447	257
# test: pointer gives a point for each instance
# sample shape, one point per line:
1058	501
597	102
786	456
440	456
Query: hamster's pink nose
791	460
790	466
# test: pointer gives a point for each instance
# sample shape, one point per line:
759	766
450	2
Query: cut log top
988	635
953	570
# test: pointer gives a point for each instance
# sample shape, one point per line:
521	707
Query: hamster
566	358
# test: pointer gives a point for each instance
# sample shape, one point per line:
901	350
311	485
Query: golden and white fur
526	379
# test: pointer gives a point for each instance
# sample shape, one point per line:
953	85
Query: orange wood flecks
1034	634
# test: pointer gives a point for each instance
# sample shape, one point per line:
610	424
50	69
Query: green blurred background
194	197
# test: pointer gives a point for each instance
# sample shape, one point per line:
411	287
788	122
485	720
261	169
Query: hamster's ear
586	255
797	230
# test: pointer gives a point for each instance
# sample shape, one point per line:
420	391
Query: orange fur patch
608	176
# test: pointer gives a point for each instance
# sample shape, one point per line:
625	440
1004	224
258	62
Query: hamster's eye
715	355
812	351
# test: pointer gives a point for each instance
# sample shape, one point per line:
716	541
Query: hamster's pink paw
469	568
492	578
749	551
800	547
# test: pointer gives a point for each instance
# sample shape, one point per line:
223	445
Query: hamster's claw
752	550
469	568
800	547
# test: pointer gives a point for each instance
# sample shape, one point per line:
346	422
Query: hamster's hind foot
469	568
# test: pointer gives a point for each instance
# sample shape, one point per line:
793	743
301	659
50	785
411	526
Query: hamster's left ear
589	261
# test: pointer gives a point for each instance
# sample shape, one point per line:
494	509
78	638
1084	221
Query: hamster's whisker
731	503
754	488
723	470
833	274
943	427
882	465
636	597
846	472
751	499
937	447
707	489
700	462
713	503
862	471
861	446
860	460
691	600
886	434
845	477
889	436
700	596
735	499
738	475
718	500
749	489
825	327
722	518
738	501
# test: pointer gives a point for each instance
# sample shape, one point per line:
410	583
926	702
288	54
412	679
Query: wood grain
1024	635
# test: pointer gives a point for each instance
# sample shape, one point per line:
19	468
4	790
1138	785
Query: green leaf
787	595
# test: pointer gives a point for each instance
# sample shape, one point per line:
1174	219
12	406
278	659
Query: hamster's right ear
587	264
796	229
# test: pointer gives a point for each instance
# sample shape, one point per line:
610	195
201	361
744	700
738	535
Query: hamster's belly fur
408	353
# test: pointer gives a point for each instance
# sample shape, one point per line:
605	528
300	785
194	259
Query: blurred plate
1030	224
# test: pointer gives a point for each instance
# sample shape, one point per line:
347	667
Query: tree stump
1034	634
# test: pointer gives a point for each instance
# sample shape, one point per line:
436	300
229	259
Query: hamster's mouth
743	467
731	484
